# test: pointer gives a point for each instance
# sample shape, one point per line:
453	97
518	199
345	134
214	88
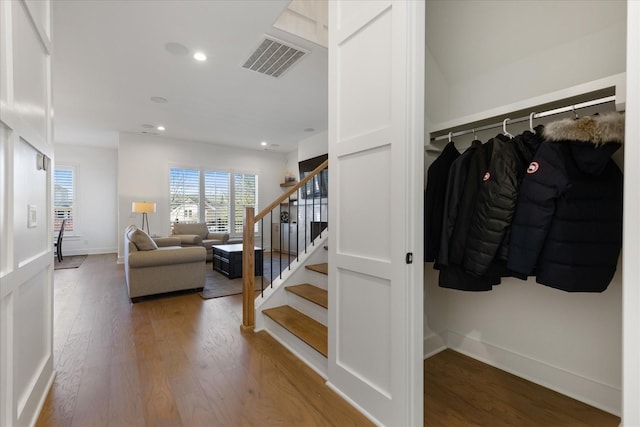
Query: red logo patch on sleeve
486	176
533	167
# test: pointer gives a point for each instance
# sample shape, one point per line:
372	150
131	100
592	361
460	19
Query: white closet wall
487	54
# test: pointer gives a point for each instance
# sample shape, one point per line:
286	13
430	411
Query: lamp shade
143	207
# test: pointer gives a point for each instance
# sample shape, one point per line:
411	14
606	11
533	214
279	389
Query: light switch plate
32	219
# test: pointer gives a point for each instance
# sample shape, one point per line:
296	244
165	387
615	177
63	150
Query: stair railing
311	193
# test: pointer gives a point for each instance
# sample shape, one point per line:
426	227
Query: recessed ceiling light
263	143
309	129
160	127
159	99
199	56
176	48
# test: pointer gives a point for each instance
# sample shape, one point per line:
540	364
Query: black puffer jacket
488	237
568	223
453	276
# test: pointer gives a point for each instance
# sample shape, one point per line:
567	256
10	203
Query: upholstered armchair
197	234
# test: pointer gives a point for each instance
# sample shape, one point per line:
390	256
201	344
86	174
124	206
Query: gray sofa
155	266
197	234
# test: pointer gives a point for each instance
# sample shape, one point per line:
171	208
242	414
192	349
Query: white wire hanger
504	128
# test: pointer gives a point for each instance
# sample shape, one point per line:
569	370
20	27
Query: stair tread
310	293
320	268
308	330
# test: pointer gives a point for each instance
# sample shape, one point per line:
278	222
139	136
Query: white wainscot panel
365	177
364	88
353	9
30	73
31	319
30	193
364	348
4	145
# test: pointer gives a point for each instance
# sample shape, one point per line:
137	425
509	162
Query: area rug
69	262
218	285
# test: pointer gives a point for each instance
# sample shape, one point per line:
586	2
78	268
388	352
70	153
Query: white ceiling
110	59
467	38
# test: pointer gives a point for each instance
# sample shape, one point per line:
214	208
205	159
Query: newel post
248	270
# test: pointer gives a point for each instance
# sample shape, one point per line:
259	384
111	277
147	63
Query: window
246	195
184	197
216	207
63	198
199	195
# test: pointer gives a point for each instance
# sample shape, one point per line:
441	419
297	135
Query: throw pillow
142	240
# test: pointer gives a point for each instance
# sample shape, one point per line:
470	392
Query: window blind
245	195
184	197
63	198
217	201
198	195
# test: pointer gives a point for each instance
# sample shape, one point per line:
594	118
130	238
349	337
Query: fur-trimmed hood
597	130
590	140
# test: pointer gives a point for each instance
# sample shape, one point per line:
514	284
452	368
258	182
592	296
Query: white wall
143	174
569	342
513	64
95	220
26	257
314	146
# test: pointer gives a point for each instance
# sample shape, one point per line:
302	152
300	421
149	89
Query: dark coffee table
227	259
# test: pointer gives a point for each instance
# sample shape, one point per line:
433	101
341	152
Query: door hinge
409	258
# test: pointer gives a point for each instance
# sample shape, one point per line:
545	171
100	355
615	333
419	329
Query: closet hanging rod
542	114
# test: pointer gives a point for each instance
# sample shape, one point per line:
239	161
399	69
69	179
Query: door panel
376	78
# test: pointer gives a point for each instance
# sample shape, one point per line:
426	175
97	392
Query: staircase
294	307
295	313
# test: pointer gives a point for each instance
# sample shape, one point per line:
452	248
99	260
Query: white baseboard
433	344
587	390
360	409
92	251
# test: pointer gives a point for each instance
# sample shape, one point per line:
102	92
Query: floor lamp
144	208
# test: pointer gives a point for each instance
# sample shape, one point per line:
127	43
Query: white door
376	79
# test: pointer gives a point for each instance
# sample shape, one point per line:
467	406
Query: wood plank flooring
172	361
183	361
461	391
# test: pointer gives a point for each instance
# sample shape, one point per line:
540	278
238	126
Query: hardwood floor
461	391
172	361
183	361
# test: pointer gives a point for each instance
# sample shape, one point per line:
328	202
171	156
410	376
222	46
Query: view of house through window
63	198
199	195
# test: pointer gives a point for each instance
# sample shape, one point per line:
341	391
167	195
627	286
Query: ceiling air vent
273	57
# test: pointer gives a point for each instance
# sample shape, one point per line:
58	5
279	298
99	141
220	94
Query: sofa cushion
141	240
166	241
190	239
199	228
167	256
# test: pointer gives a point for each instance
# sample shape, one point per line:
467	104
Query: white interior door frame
631	249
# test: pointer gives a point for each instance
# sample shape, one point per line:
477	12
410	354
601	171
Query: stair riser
313	310
302	350
317	279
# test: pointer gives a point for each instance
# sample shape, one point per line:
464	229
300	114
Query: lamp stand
145	220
